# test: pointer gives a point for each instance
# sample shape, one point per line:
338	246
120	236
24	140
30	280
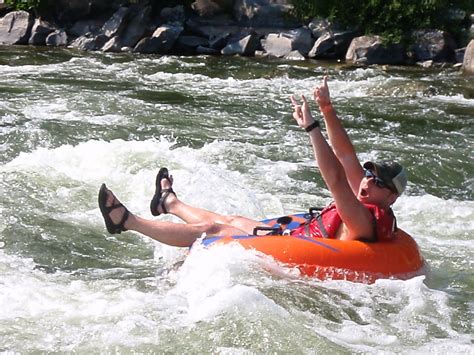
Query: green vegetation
28	5
392	19
23	4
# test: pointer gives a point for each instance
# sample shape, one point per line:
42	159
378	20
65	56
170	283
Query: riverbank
266	30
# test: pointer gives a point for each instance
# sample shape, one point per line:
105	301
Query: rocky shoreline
252	28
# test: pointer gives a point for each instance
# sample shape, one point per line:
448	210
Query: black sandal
112	228
160	196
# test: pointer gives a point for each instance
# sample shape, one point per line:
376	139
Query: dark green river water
70	121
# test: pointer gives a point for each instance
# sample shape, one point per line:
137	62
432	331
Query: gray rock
277	45
294	55
219	41
112	45
57	38
301	39
137	27
15	27
459	55
281	44
162	40
468	63
426	64
319	27
206	50
40	30
245	46
368	50
433	45
187	44
148	45
331	45
89	42
116	23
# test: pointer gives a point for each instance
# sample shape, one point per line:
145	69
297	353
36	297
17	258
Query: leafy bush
393	19
23	4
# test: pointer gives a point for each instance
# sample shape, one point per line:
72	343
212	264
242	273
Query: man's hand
301	113
321	94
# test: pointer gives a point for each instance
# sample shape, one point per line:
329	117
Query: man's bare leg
174	234
193	215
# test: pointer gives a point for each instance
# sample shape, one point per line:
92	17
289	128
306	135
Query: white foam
59	110
220	280
445	221
392	313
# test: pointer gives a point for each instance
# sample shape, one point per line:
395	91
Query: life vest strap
316	213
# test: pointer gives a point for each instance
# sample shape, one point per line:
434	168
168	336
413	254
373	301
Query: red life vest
327	223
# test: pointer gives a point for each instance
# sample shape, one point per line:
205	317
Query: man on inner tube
362	194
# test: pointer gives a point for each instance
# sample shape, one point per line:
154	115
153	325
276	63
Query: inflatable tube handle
272	230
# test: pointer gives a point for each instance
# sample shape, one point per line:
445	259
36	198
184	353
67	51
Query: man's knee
210	228
234	220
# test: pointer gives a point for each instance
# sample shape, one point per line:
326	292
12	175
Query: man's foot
109	207
163	191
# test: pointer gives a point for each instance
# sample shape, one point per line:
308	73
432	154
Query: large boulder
301	39
434	45
368	50
116	23
219	41
245	46
15	27
40	30
332	45
161	41
281	44
468	63
187	45
136	28
276	45
89	42
112	45
57	38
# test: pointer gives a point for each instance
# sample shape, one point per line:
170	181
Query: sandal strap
164	196
119	226
113	207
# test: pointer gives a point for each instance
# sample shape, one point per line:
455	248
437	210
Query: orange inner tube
337	259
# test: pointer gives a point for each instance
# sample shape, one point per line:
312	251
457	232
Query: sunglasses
377	181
